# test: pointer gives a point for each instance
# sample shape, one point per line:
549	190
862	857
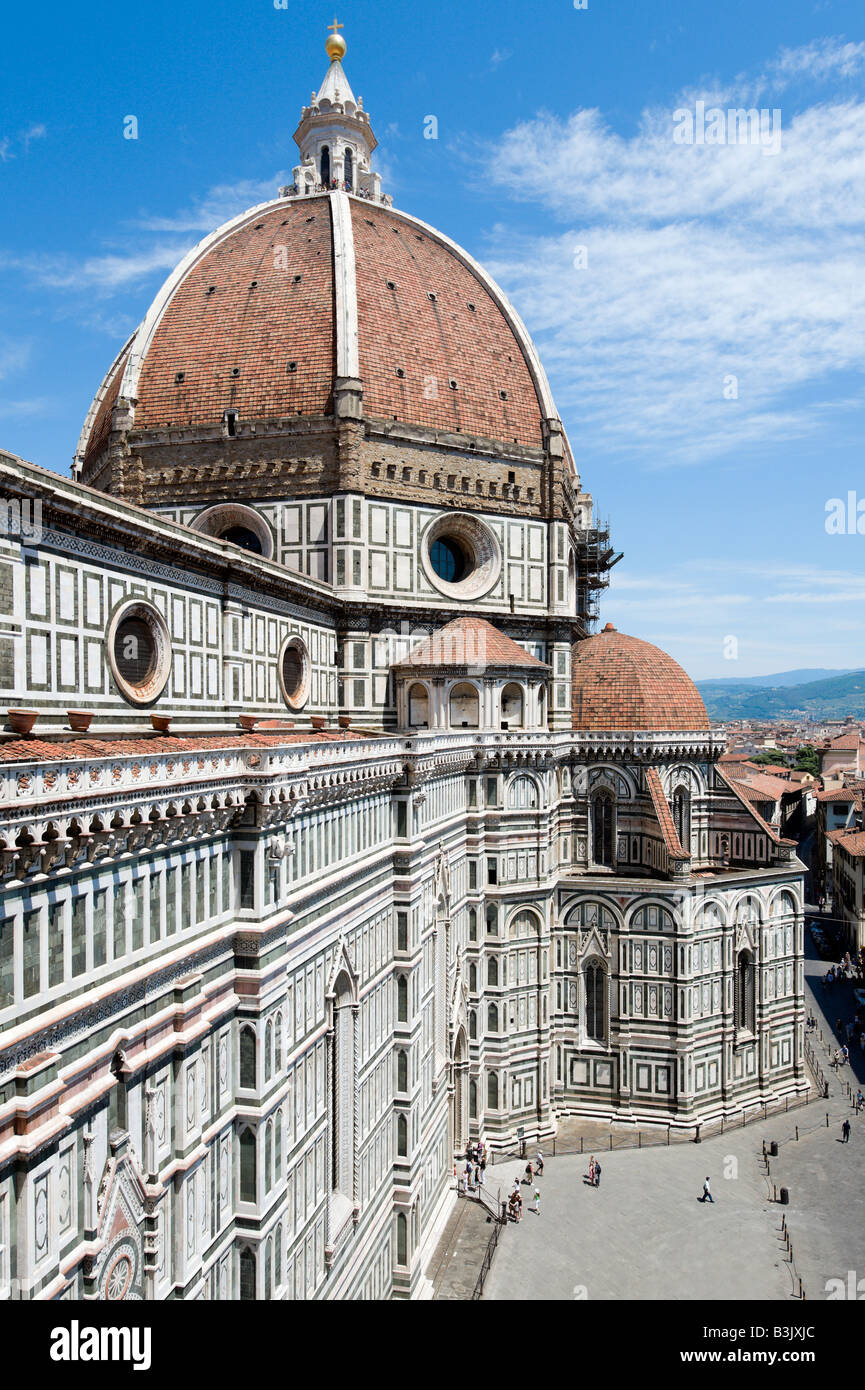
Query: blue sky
555	132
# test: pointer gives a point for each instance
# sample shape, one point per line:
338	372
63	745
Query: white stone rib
345	287
89	422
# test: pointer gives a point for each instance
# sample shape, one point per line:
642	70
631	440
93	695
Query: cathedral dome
272	312
622	683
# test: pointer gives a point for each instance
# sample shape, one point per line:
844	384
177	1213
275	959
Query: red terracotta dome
268	313
621	683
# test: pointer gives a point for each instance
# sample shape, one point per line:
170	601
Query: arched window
268	1050
542	701
682	817
473	979
525	924
247	1058
513	706
523	794
277	1256
492	971
745	991
402	1071
278	1039
492	1091
268	1156
492	1019
402	999
268	1266
342	1099
348	165
247	1166
596	1010
473	1100
473	924
603	818
464	706
473	1024
401	1240
277	1146
247	1276
325	165
401	1136
418	707
492	919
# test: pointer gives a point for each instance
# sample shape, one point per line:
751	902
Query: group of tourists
473	1176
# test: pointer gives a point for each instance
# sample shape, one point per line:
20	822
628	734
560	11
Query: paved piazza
643	1235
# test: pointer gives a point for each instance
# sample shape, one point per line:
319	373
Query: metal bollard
797	1133
827	1119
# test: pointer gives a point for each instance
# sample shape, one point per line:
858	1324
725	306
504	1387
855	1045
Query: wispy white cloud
13	145
697	299
14	355
152	246
219	204
499	56
688	611
22	409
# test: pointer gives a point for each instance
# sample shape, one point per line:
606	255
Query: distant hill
831	698
803	677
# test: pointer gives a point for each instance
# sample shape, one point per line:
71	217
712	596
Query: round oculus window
242	536
449	559
294	673
461	556
241	526
139	651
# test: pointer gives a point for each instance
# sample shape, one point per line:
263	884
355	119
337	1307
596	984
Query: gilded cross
335	27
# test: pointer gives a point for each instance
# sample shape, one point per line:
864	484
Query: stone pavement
643	1234
459	1255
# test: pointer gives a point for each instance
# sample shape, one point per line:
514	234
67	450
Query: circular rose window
294	672
139	651
461	557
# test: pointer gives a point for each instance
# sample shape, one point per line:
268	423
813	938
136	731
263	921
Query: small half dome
621	683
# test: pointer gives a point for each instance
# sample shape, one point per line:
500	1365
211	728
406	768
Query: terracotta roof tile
470	642
45	750
435	340
664	815
853	841
752	810
621	683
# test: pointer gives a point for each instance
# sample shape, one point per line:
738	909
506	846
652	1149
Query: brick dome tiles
435	347
622	683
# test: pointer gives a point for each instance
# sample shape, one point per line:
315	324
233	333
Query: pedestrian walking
592	1171
539	1164
845	1132
860	1101
530	1173
537	1201
482	1170
597	1175
707	1193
